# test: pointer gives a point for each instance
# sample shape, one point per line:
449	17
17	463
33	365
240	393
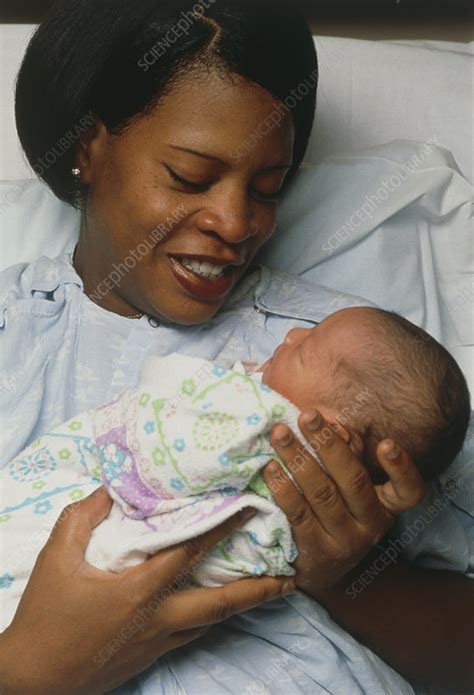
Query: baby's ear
350	437
360	449
357	444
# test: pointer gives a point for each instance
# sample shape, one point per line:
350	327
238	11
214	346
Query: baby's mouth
265	365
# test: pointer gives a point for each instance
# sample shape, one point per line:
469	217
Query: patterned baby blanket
179	455
183	453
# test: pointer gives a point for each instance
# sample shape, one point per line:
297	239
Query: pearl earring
76	172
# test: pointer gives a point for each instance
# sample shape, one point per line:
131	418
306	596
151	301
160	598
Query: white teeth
206	270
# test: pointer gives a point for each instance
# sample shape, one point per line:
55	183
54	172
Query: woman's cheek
266	225
148	214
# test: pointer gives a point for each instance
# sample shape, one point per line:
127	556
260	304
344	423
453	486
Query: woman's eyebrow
204	155
214	158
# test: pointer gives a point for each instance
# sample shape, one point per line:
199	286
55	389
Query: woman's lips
209	289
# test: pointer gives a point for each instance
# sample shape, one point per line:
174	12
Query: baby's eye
191	186
300	353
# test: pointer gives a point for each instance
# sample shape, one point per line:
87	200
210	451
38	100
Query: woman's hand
336	521
338	516
81	630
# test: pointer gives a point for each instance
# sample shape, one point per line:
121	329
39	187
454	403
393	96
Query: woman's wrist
337	593
7	686
13	677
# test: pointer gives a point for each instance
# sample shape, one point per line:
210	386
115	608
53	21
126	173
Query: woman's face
181	201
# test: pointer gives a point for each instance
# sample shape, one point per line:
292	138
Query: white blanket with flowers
178	455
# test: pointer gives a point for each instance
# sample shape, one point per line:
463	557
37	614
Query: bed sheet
286	647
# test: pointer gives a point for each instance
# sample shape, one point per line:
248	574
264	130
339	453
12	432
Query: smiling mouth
203	278
205	269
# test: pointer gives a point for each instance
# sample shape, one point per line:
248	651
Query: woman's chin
185	312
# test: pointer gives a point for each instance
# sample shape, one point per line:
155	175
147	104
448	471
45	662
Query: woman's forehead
223	118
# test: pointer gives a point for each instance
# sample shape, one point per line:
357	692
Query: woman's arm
405	615
419	621
82	631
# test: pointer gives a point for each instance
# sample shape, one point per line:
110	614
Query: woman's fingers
75	524
181	639
350	476
287	496
294	504
179	562
195	608
320	495
406	487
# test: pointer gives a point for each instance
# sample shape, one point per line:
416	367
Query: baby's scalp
418	395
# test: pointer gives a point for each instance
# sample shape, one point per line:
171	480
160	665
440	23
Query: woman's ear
92	149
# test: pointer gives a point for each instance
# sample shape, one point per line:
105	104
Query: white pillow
373	92
391	224
33	222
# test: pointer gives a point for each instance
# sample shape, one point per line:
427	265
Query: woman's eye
193	187
268	197
190	185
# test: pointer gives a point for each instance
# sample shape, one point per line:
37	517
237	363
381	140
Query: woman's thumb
75	523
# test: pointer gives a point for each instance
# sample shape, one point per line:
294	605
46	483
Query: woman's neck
99	286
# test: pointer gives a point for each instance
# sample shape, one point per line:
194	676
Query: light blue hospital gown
60	354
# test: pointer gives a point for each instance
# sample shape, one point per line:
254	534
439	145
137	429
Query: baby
373	375
184	451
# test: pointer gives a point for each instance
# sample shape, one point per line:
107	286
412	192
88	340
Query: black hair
114	59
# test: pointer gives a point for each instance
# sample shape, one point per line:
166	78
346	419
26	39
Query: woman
175	205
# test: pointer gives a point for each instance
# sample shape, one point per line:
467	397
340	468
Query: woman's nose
296	335
230	217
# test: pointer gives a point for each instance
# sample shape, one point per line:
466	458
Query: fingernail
288	587
393	452
312	422
273	468
285	440
247	513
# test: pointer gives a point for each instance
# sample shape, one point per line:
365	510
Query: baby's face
304	367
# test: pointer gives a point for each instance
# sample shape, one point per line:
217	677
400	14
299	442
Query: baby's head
374	375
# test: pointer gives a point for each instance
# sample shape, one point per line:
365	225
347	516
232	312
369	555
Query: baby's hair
416	393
